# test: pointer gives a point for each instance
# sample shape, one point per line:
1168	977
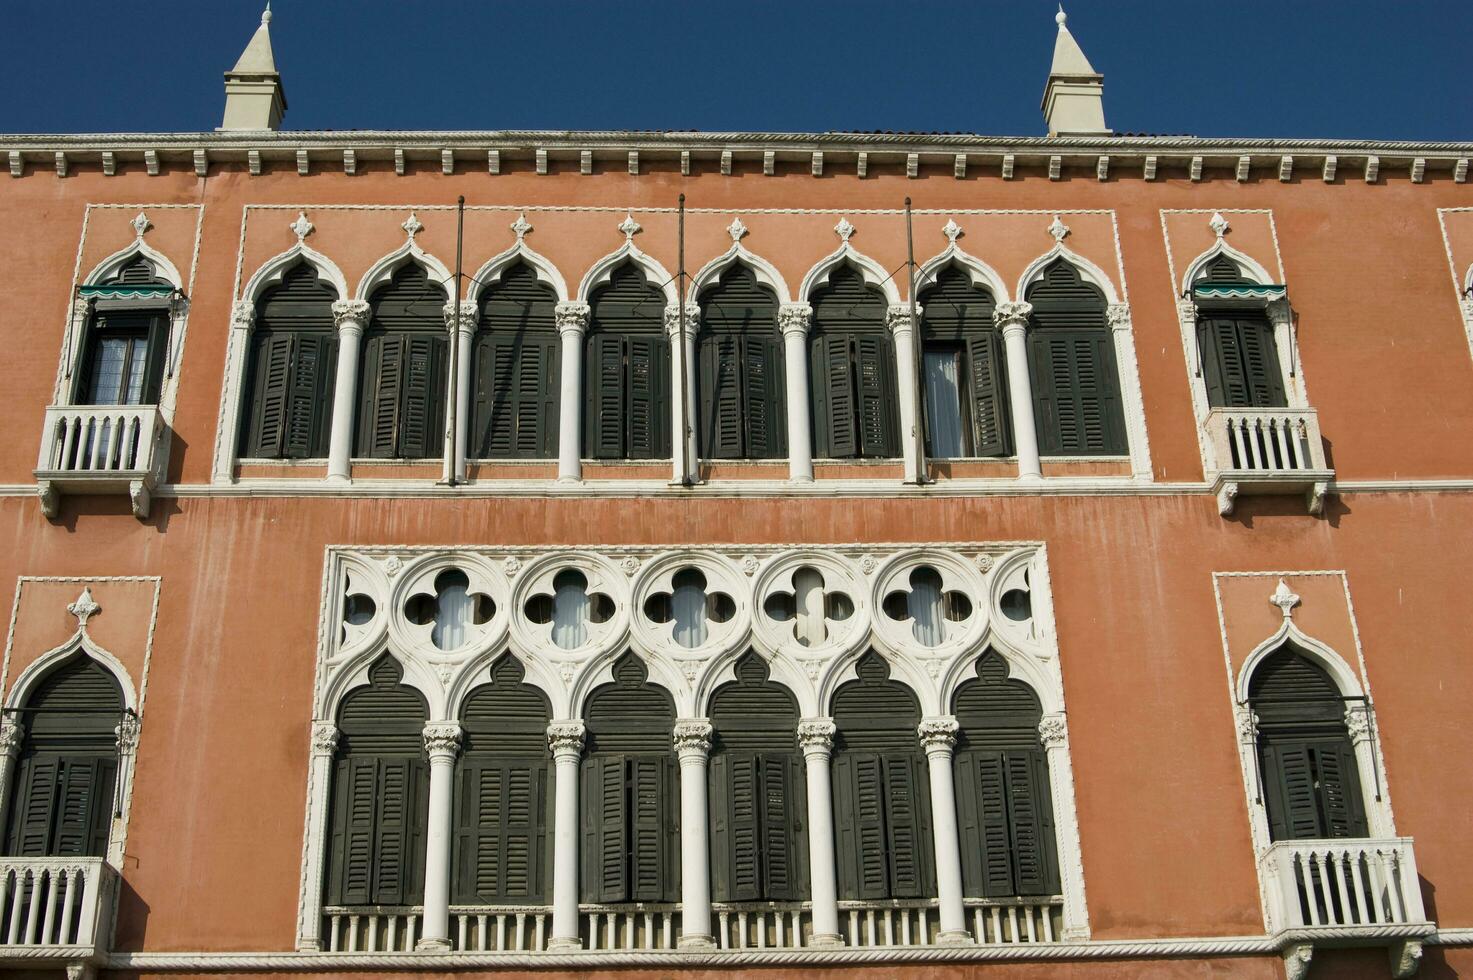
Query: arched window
758	847
402	383
1004	808
852	360
123	348
741	378
1071	362
502	796
963	370
627	370
380	794
1240	358
882	797
631	850
516	369
1311	783
290	371
62	796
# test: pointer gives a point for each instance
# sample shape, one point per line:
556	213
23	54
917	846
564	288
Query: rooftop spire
1073	99
254	98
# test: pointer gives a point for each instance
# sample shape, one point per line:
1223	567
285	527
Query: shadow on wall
131	928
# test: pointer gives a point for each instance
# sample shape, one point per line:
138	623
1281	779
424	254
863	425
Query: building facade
806	552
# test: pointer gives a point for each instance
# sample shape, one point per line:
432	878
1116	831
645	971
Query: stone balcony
55	911
101	449
1267	451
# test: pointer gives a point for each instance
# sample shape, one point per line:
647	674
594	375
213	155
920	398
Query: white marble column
572	322
319	796
462	332
682	387
693	748
565	738
1360	726
442	744
907	374
1012	319
1053	732
794	319
1132	406
816	736
938	737
350	316
12	734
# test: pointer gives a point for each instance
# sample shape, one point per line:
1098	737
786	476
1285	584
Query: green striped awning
118	290
1237	291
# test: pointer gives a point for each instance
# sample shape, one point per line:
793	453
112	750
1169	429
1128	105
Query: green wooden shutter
497	373
859	810
874	369
33	812
479	827
603	413
1240	362
273	364
545	404
517	397
1288	779
1339	789
1261	363
1075	396
351	879
525	834
987	846
383	381
722	418
744	828
484	391
764	393
649	831
84	806
779	828
605	830
648	414
838	424
986	376
907	829
718	799
397	840
420	435
501	835
1031	822
310	406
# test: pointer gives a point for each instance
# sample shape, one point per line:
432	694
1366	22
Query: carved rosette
1118	316
1358	721
467	316
672	319
693	739
565	738
794	318
127	734
1012	316
1053	731
571	317
442	741
325	736
938	734
816	736
243	314
12	733
897	317
349	314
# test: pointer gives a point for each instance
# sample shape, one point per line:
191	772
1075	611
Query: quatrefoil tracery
452	611
692	606
932	609
571	608
812	605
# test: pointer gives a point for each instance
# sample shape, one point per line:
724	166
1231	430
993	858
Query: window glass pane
570	611
924	604
453	611
808	589
107	371
137	363
943	403
688	606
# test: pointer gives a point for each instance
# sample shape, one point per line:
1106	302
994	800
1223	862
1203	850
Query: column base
958	938
339	479
564	944
310	946
570	480
432	946
696	943
826	940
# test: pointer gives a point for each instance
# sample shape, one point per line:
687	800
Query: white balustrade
639	926
1342	883
371	928
100	449
763	925
1009	921
48	902
500	929
1267	450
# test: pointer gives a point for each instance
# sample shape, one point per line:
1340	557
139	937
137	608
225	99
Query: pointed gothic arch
602	271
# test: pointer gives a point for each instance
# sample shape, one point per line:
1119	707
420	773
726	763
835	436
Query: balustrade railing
500	928
100	449
55	902
637	926
1267	450
371	928
994	922
1343	883
762	925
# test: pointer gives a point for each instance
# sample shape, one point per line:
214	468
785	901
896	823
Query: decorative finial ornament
141	224
951	230
412	225
1284	599
521	226
629	227
1218	224
844	229
1060	17
266	14
736	229
301	227
84	608
1058	229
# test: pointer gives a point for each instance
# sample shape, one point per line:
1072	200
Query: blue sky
1290	68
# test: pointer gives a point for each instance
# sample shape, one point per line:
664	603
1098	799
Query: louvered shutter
395	840
722	418
33	812
998	871
991	430
764	390
525	834
1075	398
1261	363
1030	822
351	879
648	415
383	381
860	816
603	413
907	829
649	833
541	412
1221	364
309	408
497	374
718	799
876	407
778	831
84	806
420	435
480	827
484	391
744	828
605	830
274	354
1289	781
153	371
838	422
1339	789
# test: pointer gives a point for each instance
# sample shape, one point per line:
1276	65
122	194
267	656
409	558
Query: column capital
127	734
565	739
693	738
1358	721
1247	725
1118	316
816	736
1053	731
794	318
242	314
571	317
82	307
467	321
672	318
349	314
1007	316
442	740
12	733
1186	310
938	734
1279	311
897	317
325	735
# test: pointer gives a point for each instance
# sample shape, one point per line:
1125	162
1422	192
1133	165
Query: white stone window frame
1462	279
1280	313
1351	681
445	678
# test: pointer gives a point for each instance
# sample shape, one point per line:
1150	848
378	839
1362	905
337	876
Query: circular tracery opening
690	607
570	608
928	605
809	607
451	611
